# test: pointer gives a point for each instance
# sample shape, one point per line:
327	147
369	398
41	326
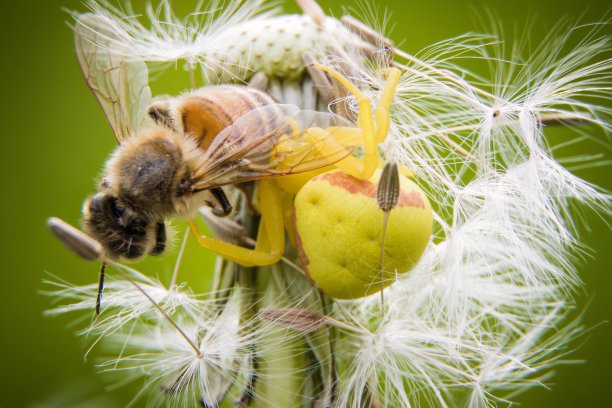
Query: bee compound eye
95	203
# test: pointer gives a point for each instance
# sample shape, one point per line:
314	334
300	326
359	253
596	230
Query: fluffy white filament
488	295
227	41
485	312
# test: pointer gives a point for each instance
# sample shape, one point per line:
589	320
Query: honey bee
176	154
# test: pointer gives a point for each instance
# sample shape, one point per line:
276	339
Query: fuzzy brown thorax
151	173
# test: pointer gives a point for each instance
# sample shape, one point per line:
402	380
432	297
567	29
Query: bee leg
160	239
373	131
225	208
270	237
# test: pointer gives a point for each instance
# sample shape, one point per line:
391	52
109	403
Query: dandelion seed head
144	344
124	303
406	359
500	273
484	312
274	46
229	42
166	37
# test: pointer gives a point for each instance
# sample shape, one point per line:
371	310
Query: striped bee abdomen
204	113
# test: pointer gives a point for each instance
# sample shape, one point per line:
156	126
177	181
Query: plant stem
179	258
382	262
192	78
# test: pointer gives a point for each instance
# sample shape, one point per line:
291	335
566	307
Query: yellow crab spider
372	128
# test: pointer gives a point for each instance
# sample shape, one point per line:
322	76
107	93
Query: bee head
123	233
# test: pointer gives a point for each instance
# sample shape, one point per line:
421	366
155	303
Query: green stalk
282	363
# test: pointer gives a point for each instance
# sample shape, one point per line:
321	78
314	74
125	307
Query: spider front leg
270	243
374	127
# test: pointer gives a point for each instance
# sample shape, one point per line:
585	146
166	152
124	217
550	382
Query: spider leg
374	126
270	242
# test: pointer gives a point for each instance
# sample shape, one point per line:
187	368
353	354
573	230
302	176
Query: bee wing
274	140
119	84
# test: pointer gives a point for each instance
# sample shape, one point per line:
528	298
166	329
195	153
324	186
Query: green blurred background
56	140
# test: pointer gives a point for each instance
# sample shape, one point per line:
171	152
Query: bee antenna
100	288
